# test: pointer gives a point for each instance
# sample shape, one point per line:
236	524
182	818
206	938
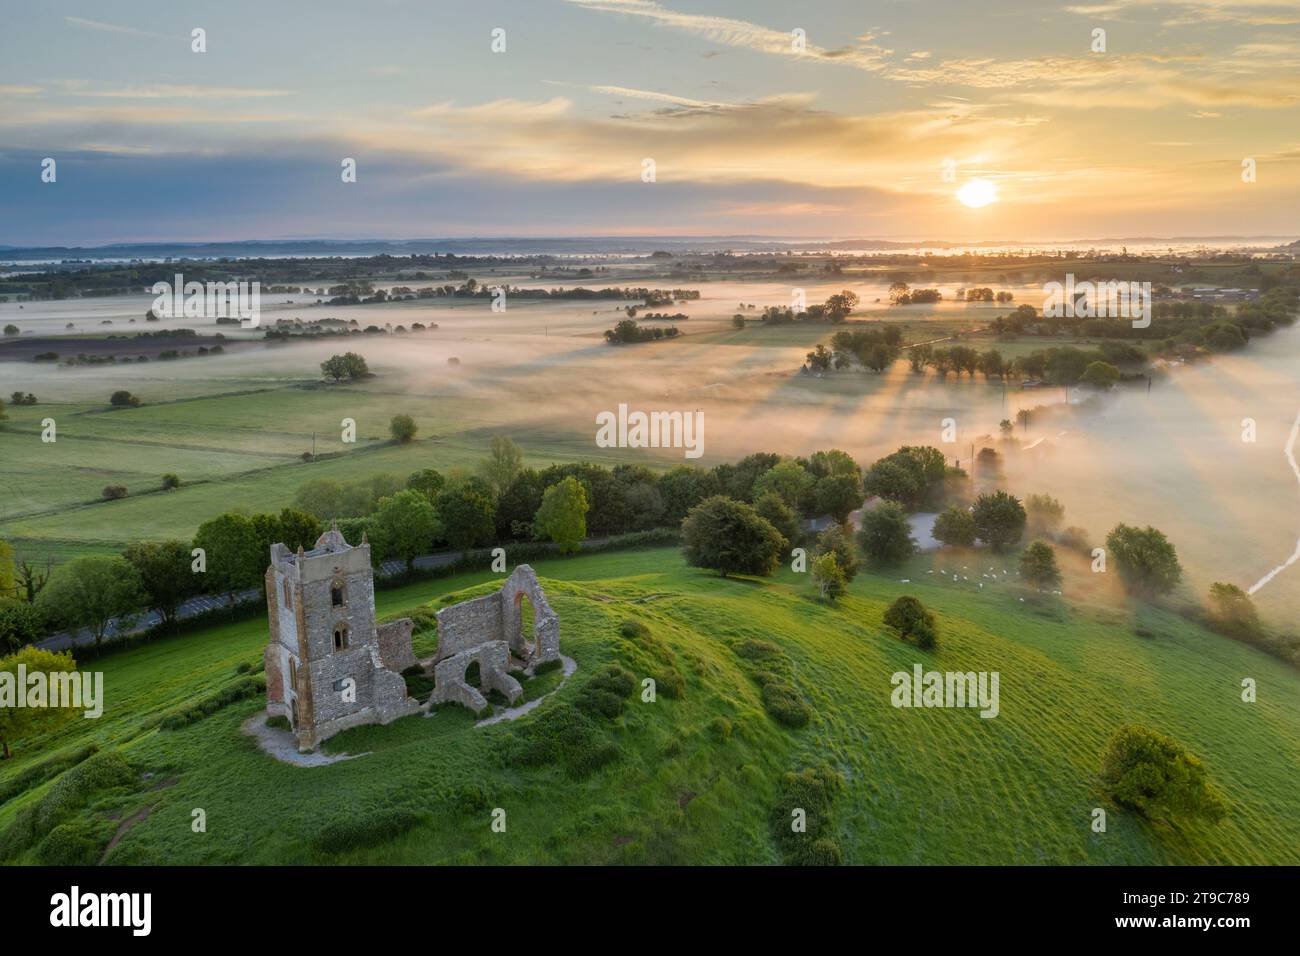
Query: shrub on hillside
69	844
113	492
1156	776
365	830
1038	565
784	703
606	691
909	617
1147	562
801	820
564	736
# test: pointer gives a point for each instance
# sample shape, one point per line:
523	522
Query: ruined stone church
330	667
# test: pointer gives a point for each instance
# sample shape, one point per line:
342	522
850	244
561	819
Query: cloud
169	91
113	28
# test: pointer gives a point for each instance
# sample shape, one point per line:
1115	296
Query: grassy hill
698	778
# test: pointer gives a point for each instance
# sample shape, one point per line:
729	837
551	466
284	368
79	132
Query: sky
835	118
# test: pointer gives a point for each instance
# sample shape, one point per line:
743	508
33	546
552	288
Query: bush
783	702
69	844
232	692
170	482
1156	776
605	692
812	791
720	728
564	736
363	831
909	617
113	492
730	537
74	789
633	629
1038	565
123	399
1147	562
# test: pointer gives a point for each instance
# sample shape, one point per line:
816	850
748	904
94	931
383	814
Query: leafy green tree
468	514
835	541
885	535
518	504
1038	565
1101	375
910	618
20	623
999	519
1147	562
165	575
1157	776
504	461
828	576
730	537
427	482
832	462
562	516
295	528
1232	611
233	554
955	526
404	526
788	479
123	399
349	366
90	592
170	482
838	495
17	723
683	487
780	516
892	481
403	429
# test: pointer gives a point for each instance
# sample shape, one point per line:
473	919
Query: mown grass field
672	786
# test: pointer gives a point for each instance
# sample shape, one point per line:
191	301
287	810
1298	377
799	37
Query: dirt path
281	745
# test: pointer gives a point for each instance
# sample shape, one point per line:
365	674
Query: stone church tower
328	667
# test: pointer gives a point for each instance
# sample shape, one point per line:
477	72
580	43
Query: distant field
921	786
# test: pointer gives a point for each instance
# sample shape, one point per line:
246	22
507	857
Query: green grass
919	786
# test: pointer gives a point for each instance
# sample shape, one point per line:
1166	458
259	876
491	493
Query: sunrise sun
978	193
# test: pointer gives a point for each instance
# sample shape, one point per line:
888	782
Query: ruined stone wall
468	624
395	644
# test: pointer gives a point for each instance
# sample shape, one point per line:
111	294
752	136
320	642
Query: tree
834	541
1232	610
955	526
295	528
31	577
910	619
683	487
404	526
885	535
90	592
1038	565
737	321
1147	562
1156	776
790	480
780	516
233	554
1101	375
504	461
1045	513
518	504
427	482
349	366
17	723
20	623
468	514
838	495
170	482
828	576
165	575
11	329
562	516
999	519
403	429
123	399
730	537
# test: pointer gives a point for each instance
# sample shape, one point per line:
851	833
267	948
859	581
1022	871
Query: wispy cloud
113	28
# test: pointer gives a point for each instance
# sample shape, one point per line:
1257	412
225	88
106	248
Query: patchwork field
698	779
